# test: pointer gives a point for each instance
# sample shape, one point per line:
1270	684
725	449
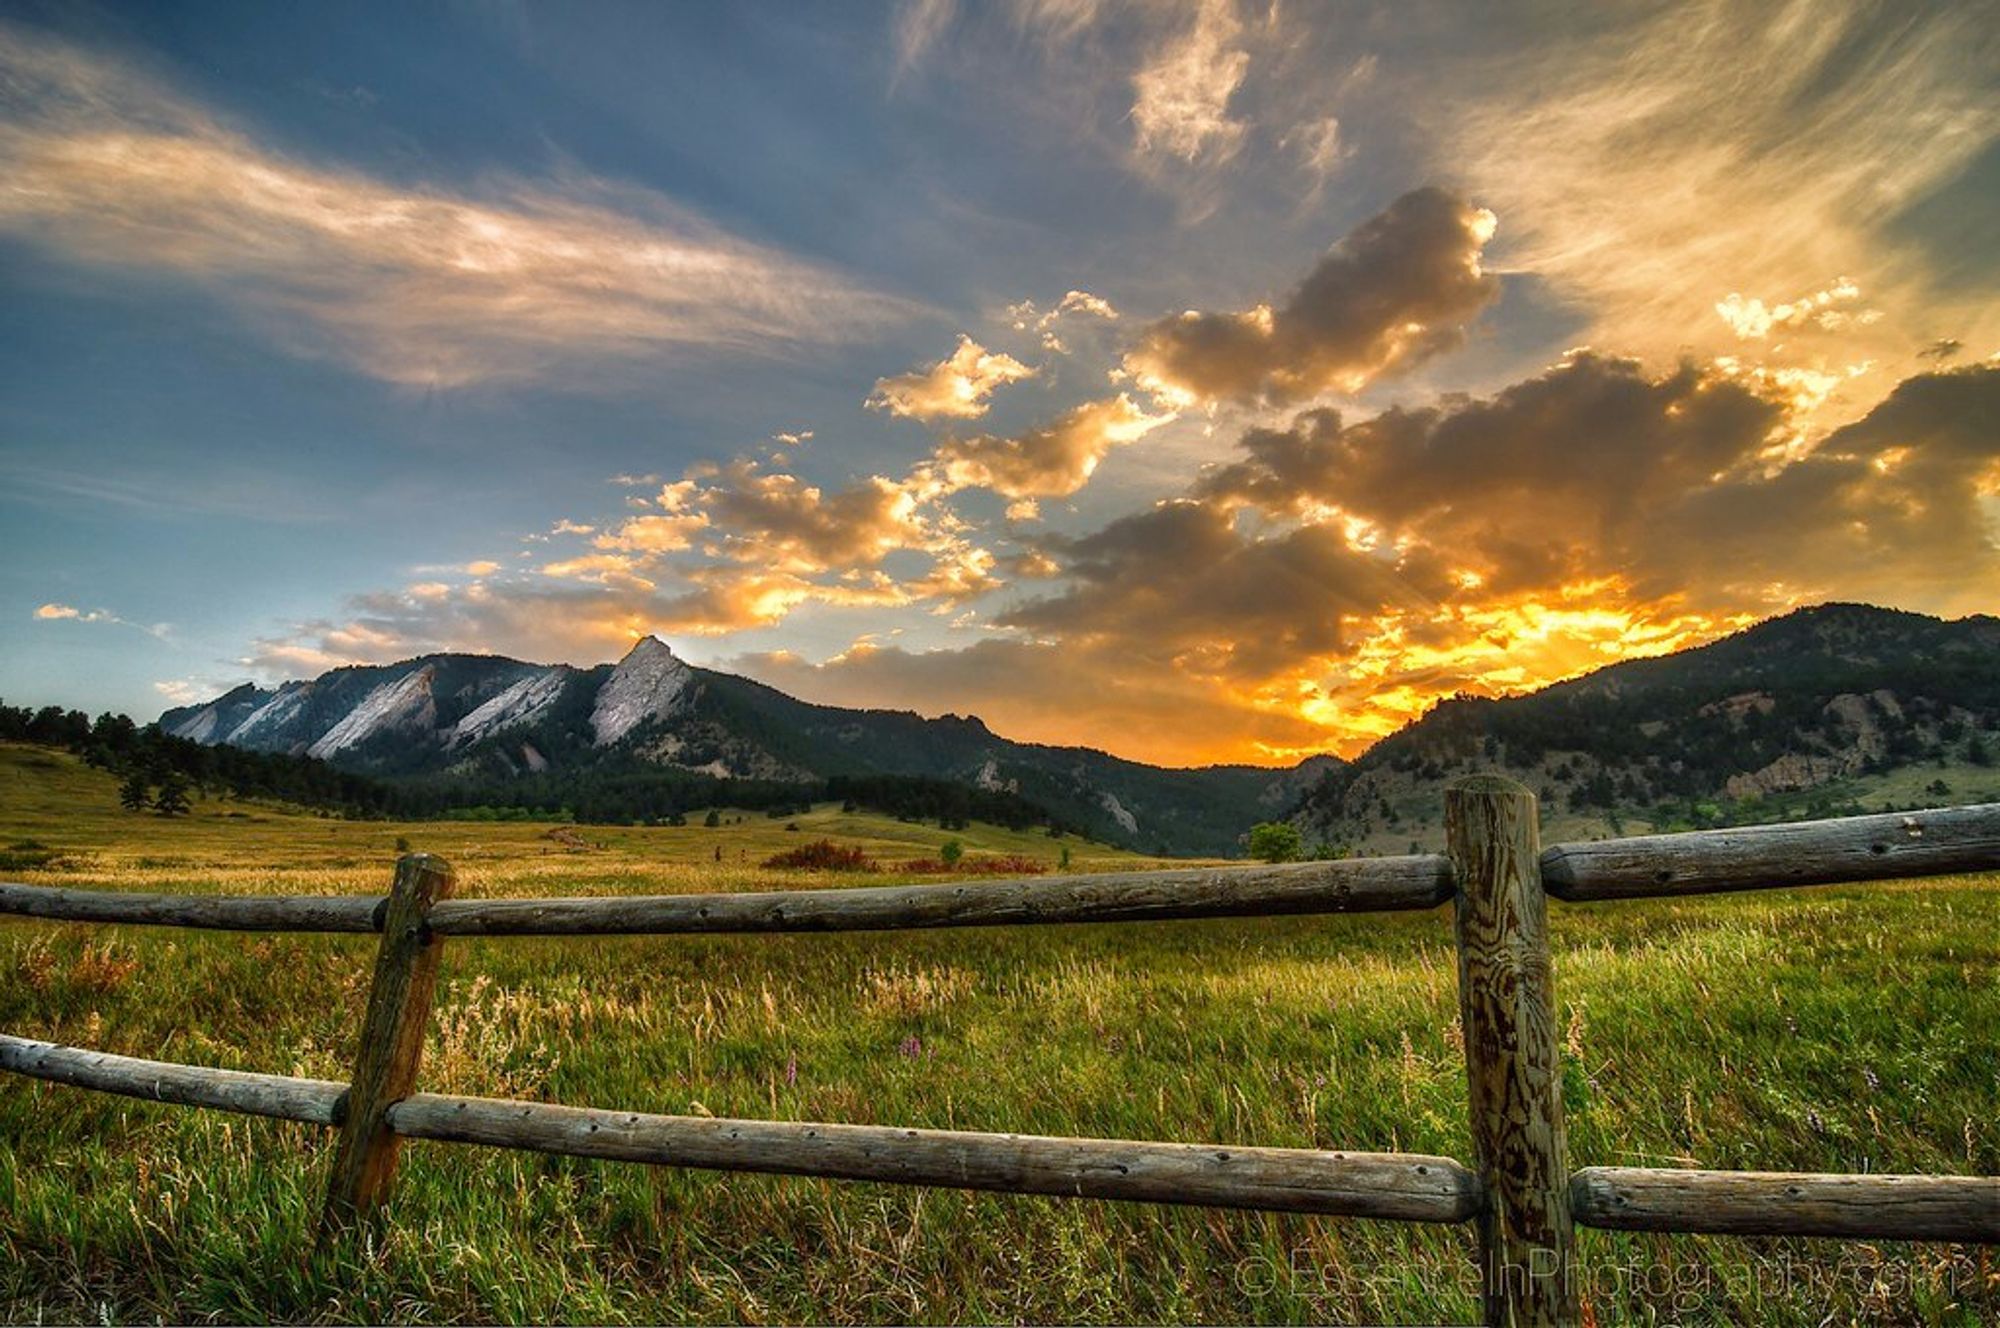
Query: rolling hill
1824	711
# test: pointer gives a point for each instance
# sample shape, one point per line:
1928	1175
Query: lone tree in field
1275	841
135	795
172	799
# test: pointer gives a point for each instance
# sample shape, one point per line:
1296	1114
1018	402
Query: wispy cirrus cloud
1181	94
1735	155
56	612
517	279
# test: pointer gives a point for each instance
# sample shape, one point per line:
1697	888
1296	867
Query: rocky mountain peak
645	685
648	647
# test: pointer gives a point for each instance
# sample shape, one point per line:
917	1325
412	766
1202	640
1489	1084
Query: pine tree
134	795
172	799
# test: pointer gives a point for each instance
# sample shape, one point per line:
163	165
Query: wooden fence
1518	1191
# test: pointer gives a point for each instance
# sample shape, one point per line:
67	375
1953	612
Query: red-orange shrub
824	855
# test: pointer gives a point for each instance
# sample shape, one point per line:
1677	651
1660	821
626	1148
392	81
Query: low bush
824	855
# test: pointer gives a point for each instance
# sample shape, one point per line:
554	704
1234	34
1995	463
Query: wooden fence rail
1519	1192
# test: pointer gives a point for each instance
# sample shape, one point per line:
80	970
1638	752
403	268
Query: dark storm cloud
1898	504
1181	583
1396	291
1677	483
1594	431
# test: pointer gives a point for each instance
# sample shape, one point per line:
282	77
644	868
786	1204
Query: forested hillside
1828	710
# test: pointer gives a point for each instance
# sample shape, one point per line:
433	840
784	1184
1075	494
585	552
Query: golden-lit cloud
1047	324
653	533
1667	482
1181	95
425	285
1398	290
1829	310
604	569
777	519
1048	461
1339	579
957	387
734	599
1180	586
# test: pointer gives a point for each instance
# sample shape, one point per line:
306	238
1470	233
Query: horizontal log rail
315	1101
1785	1203
1522	1199
1350	885
1407	1187
294	913
1889	846
1404	1187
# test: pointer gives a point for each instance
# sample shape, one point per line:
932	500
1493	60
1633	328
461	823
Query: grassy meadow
1841	1029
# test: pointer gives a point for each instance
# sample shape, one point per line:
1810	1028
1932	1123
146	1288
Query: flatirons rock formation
486	716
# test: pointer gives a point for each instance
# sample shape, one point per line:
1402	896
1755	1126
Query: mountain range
1811	712
486	718
1826	711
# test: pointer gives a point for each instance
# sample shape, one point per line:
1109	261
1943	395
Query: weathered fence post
392	1041
1507	1005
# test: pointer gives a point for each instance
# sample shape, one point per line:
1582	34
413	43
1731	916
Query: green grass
1844	1029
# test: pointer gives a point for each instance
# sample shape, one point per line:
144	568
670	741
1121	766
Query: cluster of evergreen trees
152	763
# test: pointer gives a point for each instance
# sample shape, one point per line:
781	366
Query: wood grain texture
357	913
1507	1004
391	1043
1406	1187
1856	848
315	1101
1351	886
1781	1203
